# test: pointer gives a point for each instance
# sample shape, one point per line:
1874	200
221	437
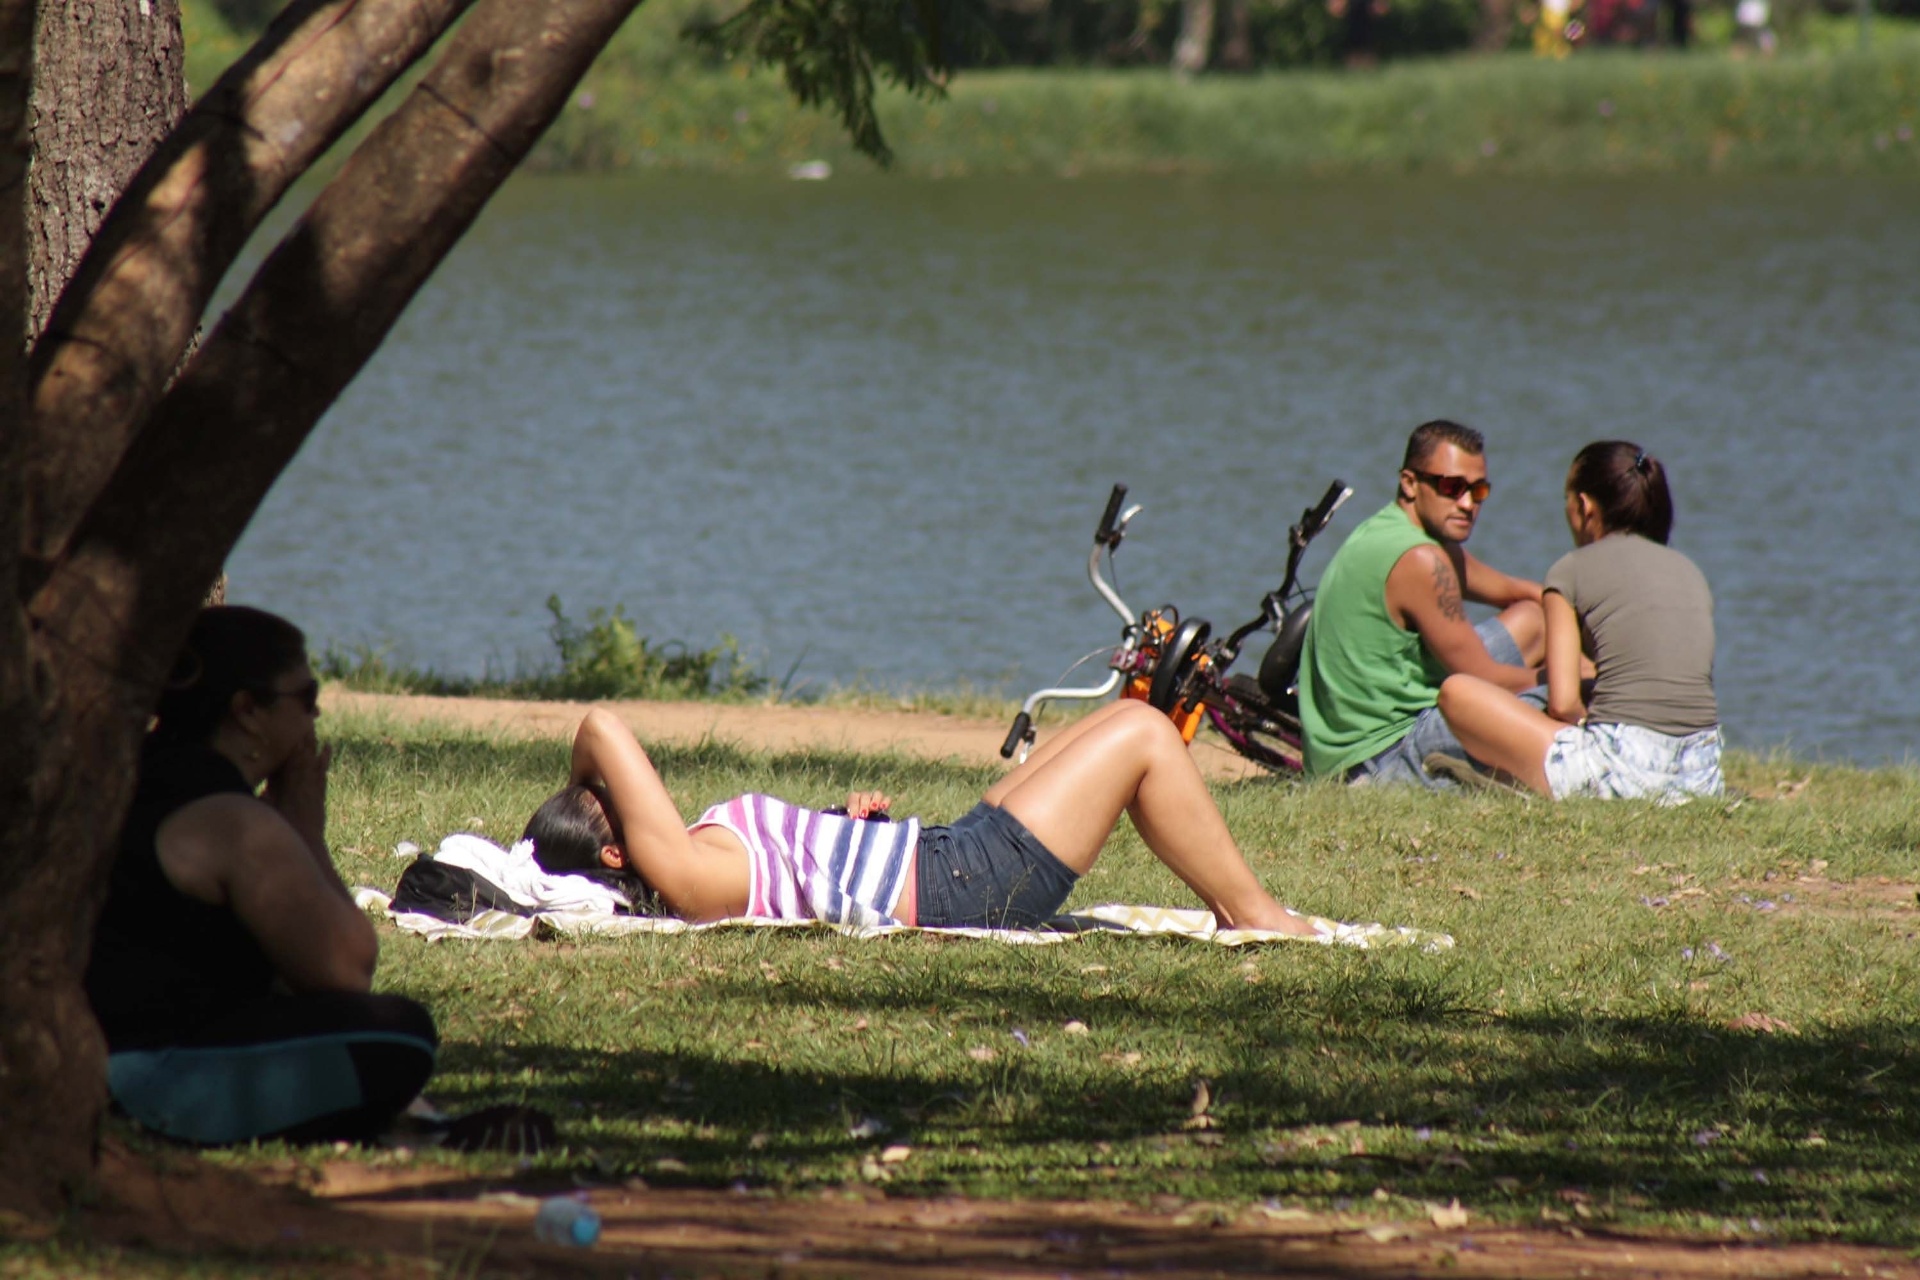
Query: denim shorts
1430	733
1626	761
987	871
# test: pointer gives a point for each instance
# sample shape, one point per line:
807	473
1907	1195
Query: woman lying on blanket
1009	863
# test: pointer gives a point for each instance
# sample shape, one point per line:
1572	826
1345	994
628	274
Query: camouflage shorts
1624	761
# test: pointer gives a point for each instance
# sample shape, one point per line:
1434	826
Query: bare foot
1275	920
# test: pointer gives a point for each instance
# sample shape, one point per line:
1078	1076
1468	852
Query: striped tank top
806	865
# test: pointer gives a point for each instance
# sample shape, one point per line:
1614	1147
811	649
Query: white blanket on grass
571	909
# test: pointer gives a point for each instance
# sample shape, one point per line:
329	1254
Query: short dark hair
1628	484
230	648
1429	436
569	829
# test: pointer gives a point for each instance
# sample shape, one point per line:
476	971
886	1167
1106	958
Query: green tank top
1364	679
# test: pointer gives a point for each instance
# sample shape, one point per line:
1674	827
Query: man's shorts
1430	734
1626	761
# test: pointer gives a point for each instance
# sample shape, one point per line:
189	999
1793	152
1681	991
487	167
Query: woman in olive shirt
1643	613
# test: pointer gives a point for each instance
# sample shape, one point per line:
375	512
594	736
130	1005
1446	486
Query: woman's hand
865	804
298	790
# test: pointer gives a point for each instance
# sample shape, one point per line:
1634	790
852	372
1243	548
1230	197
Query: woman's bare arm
696	881
1565	663
236	851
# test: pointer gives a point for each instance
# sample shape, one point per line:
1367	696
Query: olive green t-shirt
1364	679
1646	620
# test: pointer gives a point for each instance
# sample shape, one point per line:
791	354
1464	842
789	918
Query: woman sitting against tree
231	968
1642	612
1009	863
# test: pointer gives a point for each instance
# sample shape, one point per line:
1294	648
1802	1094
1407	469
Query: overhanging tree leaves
829	51
123	486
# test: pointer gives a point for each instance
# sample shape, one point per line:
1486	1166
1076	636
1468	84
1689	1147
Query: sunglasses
308	694
1451	487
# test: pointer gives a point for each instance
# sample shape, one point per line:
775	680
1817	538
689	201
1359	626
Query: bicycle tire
1263	734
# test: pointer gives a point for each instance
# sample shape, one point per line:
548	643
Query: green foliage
828	51
1575	1052
606	657
609	658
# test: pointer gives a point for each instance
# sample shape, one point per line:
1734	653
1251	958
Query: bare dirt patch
756	727
350	1220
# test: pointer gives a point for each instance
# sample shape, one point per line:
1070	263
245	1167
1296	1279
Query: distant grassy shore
1824	108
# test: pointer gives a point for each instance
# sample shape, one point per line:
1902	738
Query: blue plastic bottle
565	1220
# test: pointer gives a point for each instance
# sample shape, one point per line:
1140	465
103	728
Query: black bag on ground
430	887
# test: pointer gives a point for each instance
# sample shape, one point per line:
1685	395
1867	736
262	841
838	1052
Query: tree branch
327	297
129	314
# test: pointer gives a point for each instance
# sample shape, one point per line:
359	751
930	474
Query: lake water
867	425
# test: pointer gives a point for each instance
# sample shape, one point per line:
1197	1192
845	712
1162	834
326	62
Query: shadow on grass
1806	1134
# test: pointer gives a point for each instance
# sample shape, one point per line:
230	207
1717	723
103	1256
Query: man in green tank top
1389	622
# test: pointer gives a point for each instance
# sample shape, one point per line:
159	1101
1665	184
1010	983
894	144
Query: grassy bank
1580	1054
1599	114
1823	108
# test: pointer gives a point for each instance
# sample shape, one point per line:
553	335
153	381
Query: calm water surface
867	425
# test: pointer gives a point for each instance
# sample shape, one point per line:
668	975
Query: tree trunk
1236	49
115	341
1496	25
105	87
1191	50
108	85
111	605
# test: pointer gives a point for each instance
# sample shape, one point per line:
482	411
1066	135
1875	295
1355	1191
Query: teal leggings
304	1068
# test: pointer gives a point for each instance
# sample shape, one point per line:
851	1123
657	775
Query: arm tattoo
1446	590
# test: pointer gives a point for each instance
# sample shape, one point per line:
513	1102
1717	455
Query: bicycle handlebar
1109	533
1317	518
1021	731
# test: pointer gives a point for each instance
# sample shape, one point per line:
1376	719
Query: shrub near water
606	657
1701	1018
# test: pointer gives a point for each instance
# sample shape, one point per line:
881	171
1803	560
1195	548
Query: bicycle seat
1280	669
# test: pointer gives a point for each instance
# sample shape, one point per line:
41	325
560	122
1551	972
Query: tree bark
90	88
1191	50
120	333
108	84
116	601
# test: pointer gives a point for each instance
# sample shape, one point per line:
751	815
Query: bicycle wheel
1263	734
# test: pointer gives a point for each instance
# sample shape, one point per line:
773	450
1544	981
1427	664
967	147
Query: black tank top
164	964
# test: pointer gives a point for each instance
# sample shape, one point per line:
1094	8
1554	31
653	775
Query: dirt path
760	727
347	1219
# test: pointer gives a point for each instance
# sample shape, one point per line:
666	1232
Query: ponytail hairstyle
230	649
1629	486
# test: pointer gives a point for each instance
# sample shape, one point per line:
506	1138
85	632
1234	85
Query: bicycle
1174	664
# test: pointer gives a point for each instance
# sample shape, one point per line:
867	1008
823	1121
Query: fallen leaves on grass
980	1053
1450	1216
1765	1023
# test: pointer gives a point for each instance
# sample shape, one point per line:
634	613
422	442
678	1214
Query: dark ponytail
230	648
568	831
1629	486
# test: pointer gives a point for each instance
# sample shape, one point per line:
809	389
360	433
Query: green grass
1821	106
1568	1056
